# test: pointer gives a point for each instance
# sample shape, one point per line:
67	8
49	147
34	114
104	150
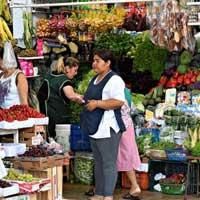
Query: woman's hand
91	105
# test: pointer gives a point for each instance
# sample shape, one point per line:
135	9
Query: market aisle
76	192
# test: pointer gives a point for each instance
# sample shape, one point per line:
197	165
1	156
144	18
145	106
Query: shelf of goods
8	128
13	5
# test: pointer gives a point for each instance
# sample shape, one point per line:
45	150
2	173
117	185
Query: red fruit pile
20	113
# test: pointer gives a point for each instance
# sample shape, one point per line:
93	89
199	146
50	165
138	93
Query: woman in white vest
13	83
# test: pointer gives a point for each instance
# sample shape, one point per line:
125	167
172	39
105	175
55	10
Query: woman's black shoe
90	192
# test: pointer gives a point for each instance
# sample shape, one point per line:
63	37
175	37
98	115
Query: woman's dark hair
106	55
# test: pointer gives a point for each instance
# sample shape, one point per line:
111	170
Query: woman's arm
72	95
109	104
22	86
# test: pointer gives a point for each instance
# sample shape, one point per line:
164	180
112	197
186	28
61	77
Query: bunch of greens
162	145
195	151
147	56
118	43
144	142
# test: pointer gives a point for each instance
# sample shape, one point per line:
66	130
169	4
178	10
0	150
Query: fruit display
43	28
38	151
19	112
15	175
93	21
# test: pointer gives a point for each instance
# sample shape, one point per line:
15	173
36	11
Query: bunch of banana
5	33
5	11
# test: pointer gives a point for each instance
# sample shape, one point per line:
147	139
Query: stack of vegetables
182	75
192	143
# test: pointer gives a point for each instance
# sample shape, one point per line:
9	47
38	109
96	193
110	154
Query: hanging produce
5	11
5	33
136	17
96	21
28	30
169	27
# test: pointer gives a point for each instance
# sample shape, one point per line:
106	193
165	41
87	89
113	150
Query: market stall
162	59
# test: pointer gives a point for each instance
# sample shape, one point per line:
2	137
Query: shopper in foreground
101	119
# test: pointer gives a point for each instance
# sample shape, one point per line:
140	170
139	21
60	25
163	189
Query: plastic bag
9	59
84	167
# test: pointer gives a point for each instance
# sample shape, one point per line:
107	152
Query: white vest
9	94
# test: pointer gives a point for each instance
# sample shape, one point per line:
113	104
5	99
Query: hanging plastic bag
9	59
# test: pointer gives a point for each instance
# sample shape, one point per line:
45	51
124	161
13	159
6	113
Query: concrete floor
76	192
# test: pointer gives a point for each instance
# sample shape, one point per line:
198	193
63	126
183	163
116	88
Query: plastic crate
172	188
167	167
176	154
79	141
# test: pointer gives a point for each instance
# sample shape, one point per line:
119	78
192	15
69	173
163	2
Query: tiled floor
76	192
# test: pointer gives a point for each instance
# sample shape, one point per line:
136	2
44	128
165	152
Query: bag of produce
9	59
84	167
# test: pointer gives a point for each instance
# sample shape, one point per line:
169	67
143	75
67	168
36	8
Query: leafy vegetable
137	100
196	150
147	56
143	142
119	44
74	107
162	145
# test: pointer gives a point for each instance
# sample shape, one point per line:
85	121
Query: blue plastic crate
176	154
79	141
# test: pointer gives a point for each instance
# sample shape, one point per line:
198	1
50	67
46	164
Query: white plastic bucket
62	135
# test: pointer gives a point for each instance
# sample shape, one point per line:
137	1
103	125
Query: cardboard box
26	134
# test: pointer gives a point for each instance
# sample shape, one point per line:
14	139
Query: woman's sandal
130	197
90	192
